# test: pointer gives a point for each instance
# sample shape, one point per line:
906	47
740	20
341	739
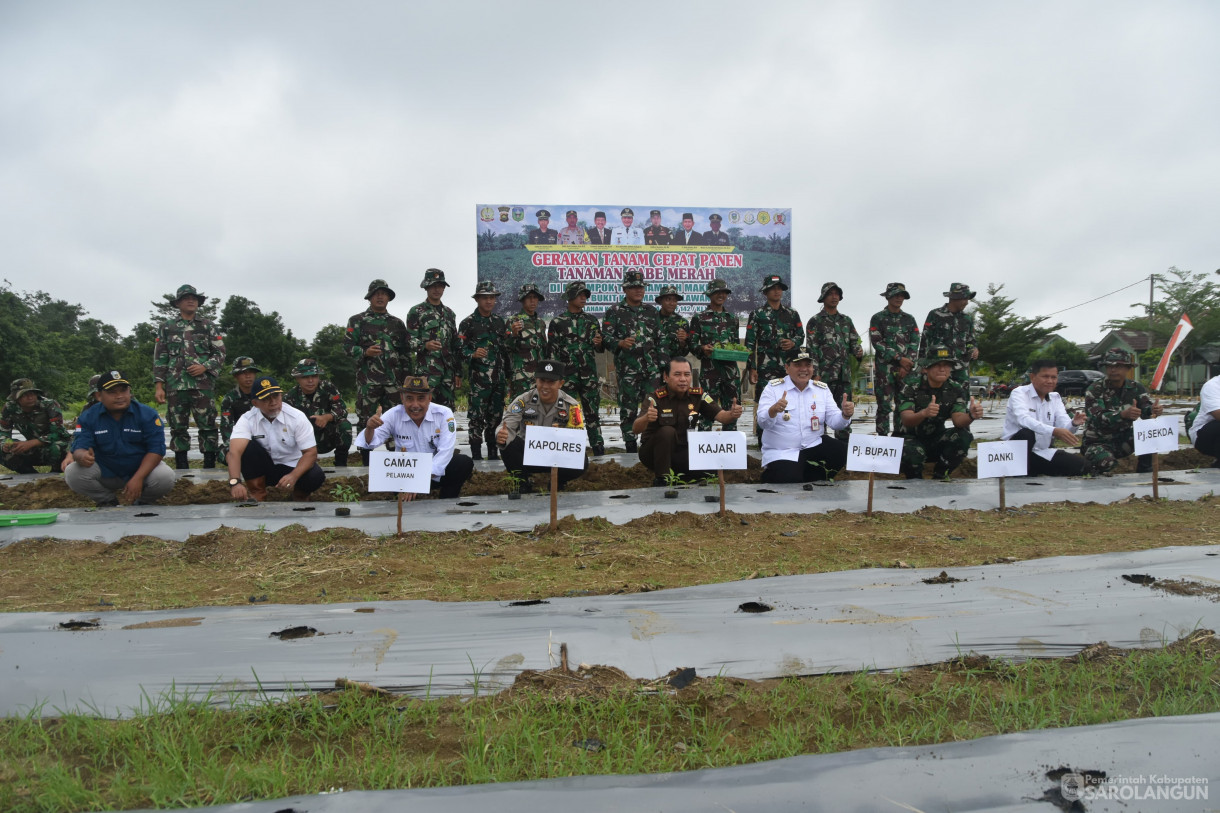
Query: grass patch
554	724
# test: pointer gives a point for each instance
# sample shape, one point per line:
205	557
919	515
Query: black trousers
1208	441
514	453
256	462
821	462
662	454
1061	465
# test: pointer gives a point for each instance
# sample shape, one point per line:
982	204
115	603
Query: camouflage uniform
235	404
487	375
832	341
181	343
948	446
45	422
526	347
953	330
670	347
893	336
426	322
336	436
636	367
377	377
766	327
719	379
1108	437
570	336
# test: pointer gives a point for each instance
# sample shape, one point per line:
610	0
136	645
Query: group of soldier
799	370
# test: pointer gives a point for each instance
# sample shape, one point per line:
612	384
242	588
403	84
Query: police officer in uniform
543	236
544	404
667	415
655	234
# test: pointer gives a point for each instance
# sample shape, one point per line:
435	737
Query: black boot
180	460
364	457
1143	464
493	451
476	450
629	444
209	460
599	449
340	457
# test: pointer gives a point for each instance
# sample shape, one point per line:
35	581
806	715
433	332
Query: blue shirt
119	446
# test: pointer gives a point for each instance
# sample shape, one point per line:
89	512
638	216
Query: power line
1103	296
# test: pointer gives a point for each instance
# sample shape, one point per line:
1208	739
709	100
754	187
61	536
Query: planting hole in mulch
365	610
305	508
146	515
943	578
767	491
467	504
91	624
1138	578
620	496
527	603
754	607
292	633
897	488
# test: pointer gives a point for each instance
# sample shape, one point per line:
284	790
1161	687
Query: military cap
896	289
771	281
187	290
243	364
714	218
827	288
379	285
485	288
266	388
633	279
596	215
433	276
306	367
574	289
93	383
112	379
23	386
626	213
548	370
1116	355
569	213
937	354
668	290
959	290
544	214
656	212
687	216
530	288
716	286
417	384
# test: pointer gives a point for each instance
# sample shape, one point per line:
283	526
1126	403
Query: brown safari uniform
663	446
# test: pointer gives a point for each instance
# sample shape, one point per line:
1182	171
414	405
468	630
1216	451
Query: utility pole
1151	294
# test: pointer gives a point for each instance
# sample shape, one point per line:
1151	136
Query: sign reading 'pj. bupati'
879	454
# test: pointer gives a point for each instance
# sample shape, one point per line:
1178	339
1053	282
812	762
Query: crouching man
543	405
794	413
1203	426
420	426
924	405
272	445
118	449
1036	415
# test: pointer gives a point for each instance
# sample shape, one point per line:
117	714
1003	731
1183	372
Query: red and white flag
1175	341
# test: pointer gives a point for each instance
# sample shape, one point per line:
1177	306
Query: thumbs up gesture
780	405
374	420
1131	413
651	414
847	407
932	409
976	409
735	410
1156	408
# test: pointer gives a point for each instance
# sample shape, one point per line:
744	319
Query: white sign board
1156	435
874	453
407	472
550	446
1003	458
709	451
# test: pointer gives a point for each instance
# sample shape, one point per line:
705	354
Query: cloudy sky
292	151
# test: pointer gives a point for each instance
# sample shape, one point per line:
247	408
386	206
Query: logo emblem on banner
503	214
487	214
764	218
518	213
734	216
749	218
779	218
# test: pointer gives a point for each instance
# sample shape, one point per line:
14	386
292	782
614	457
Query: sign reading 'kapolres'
550	446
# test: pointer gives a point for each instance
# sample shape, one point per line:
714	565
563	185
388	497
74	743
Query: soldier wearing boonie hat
926	401
714	236
627	234
544	404
894	336
419	424
377	343
575	338
525	337
543	235
1111	406
654	233
273	446
949	325
435	348
40	422
774	334
631	330
716	325
480	335
187	360
322	403
238	400
832	339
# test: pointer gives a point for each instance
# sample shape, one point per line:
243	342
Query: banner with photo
551	245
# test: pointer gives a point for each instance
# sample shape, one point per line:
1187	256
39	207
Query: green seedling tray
28	519
721	354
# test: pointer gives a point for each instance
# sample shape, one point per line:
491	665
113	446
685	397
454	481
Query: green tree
340	368
1178	292
262	336
1004	337
1064	353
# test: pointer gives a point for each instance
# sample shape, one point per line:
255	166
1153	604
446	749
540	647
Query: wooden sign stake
400	496
871	477
1001	493
554	498
721	473
1156	476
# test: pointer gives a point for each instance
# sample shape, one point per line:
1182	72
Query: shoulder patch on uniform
707	399
695	390
821	384
451	425
516	406
661	392
774	382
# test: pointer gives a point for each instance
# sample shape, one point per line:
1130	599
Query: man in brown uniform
667	415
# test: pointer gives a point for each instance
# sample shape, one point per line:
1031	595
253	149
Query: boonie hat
827	288
668	290
379	285
896	289
243	364
306	367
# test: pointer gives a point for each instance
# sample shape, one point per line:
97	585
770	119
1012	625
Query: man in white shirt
1204	431
273	445
420	426
1036	415
794	412
626	234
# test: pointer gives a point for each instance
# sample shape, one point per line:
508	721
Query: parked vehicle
1075	382
979	385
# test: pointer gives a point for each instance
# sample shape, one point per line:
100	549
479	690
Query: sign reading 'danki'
551	446
1156	435
406	472
709	451
879	454
1003	458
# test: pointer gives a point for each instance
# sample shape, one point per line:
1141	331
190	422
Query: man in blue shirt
118	449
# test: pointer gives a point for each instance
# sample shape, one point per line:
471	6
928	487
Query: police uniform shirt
527	409
784	437
436	435
285	438
679	411
1209	402
627	236
1026	410
572	236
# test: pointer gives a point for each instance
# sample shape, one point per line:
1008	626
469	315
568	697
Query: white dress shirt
1209	402
436	434
1042	416
783	439
627	236
286	438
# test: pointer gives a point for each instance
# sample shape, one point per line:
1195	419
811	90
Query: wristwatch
234	481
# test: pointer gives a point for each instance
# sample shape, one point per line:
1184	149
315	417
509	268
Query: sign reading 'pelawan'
405	472
1003	458
550	446
1156	435
882	455
709	451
